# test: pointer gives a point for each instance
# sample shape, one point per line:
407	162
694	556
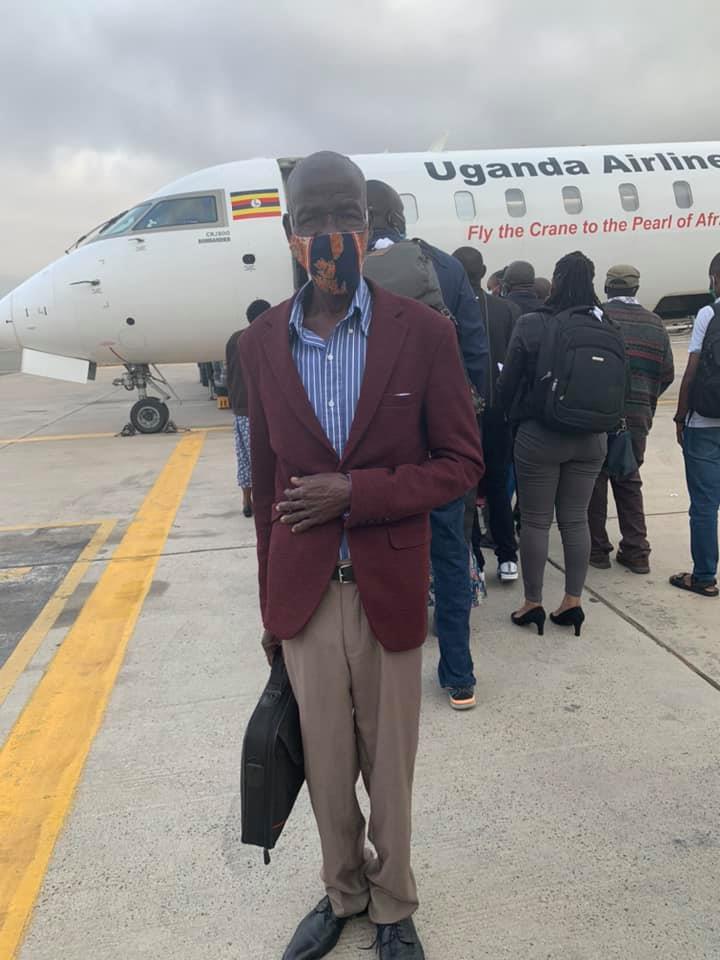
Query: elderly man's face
329	198
328	227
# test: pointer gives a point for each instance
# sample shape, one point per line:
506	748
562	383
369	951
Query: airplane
170	279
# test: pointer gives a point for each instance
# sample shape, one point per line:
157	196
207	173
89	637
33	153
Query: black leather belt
343	573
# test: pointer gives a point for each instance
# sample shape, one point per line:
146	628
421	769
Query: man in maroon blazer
361	423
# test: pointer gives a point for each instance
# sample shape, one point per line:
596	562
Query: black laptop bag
273	770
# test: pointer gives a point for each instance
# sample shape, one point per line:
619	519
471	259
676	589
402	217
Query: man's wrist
680	417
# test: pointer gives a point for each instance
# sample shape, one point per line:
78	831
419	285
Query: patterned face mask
333	261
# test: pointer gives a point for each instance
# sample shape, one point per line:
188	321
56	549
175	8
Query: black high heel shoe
572	617
534	615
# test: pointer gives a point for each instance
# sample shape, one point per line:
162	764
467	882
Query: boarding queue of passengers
376	409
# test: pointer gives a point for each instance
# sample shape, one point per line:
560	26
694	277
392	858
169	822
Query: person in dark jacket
237	395
651	368
494	282
496	433
449	550
388	224
542	288
518	288
556	471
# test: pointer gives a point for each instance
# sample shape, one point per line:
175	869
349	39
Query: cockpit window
179	212
123	221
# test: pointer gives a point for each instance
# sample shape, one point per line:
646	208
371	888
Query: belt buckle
341	573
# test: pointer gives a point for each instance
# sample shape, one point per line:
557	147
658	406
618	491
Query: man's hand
314	500
270	645
679	431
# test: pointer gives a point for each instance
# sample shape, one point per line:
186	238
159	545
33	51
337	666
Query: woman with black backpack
563	387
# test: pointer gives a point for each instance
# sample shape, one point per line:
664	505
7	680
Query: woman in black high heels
556	470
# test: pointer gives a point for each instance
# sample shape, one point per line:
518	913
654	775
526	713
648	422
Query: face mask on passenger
333	261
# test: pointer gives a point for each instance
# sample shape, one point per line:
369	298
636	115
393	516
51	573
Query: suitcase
273	770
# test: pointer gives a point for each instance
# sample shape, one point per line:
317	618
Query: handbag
273	769
620	461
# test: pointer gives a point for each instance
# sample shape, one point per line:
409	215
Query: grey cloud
195	83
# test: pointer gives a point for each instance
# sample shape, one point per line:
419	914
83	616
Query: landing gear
148	415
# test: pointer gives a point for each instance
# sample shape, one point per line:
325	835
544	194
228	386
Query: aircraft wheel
149	415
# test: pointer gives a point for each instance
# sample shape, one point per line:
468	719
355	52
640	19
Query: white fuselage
160	291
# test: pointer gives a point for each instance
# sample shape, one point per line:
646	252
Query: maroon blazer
414	445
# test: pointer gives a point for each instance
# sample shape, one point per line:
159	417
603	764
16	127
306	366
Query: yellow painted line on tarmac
13	573
57	436
39	629
16	527
50	438
43	758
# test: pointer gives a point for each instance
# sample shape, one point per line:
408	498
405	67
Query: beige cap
623	275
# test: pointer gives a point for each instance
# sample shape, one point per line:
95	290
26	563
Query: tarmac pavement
573	815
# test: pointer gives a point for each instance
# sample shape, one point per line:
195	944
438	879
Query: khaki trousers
359	713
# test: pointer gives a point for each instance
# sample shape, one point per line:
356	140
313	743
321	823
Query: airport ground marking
13	573
53	437
31	640
57	524
42	760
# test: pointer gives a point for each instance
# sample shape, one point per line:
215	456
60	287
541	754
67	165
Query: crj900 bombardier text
170	279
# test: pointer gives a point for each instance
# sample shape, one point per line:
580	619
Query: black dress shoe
399	941
317	934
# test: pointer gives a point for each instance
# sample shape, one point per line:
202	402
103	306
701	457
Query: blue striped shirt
332	370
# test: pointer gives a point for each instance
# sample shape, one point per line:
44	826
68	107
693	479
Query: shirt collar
633	300
360	305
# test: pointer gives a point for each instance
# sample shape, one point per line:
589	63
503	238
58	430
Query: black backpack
705	389
273	769
580	378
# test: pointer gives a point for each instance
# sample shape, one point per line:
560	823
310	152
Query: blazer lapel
276	344
388	329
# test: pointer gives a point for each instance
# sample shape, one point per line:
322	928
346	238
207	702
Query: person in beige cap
650	360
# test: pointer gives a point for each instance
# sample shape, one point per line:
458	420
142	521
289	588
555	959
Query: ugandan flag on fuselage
251	204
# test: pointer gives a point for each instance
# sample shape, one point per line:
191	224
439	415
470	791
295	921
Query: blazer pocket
399	400
410	534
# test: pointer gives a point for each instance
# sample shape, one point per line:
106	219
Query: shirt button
351	329
331	403
330	356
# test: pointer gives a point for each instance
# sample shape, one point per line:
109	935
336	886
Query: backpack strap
714	322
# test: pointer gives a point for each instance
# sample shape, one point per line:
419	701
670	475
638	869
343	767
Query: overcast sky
104	101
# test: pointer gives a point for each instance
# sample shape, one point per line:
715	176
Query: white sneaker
507	571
